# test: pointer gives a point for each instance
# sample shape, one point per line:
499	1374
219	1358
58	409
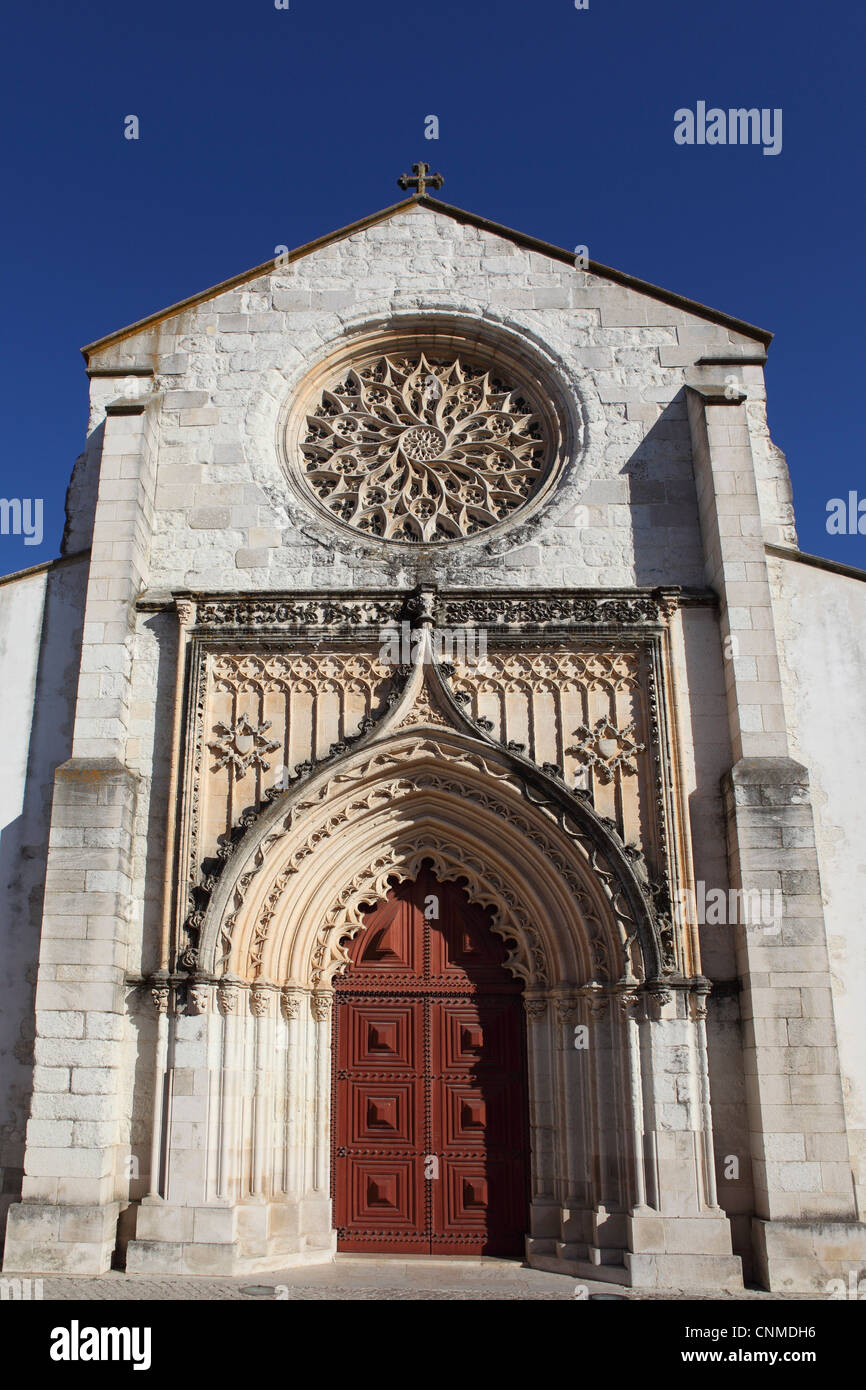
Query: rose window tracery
423	448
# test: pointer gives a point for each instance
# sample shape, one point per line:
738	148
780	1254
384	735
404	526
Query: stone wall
672	480
40	632
227	367
820	618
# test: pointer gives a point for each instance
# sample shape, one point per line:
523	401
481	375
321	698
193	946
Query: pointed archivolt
427	781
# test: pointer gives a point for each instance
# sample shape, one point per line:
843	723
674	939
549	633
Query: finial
423	178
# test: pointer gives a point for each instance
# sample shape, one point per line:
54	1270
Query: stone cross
422	178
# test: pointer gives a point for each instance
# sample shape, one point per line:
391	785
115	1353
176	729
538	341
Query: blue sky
261	127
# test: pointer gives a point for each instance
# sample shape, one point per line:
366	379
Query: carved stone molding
295	614
621	611
310	614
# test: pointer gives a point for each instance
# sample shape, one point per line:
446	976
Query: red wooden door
429	1125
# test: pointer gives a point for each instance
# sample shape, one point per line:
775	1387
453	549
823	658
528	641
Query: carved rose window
423	448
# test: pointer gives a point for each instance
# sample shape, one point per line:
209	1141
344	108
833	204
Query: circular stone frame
480	345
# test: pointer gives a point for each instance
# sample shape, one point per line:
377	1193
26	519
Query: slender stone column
544	1213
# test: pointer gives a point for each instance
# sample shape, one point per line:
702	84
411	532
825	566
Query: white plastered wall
821	622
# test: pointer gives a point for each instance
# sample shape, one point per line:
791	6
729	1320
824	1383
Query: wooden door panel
480	1034
381	1037
430	1133
479	1118
385	1205
479	1208
383	1115
390	945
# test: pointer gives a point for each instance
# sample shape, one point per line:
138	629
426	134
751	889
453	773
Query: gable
655	299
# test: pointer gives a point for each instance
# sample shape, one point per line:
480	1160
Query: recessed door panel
430	1131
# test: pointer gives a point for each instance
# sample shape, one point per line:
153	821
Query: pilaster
78	1130
799	1143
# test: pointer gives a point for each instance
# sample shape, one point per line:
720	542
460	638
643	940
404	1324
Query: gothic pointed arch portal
563	893
614	1165
430	1136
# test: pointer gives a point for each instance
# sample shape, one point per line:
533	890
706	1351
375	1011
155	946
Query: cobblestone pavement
373	1279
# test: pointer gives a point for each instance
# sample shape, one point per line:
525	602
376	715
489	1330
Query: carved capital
630	1002
567	1010
320	1006
260	1000
698	997
186	611
227	999
659	994
197	998
290	1001
160	995
596	998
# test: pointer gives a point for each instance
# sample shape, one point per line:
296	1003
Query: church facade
432	818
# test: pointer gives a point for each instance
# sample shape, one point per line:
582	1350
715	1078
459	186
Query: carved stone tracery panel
579	711
260	716
266	708
425	448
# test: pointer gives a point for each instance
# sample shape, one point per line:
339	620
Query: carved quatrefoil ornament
425	447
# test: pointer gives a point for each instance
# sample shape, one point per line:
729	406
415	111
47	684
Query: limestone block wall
193	495
225	518
625	513
40	634
821	619
226	368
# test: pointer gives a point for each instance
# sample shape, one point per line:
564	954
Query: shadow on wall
663	502
706	717
162	630
24	840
